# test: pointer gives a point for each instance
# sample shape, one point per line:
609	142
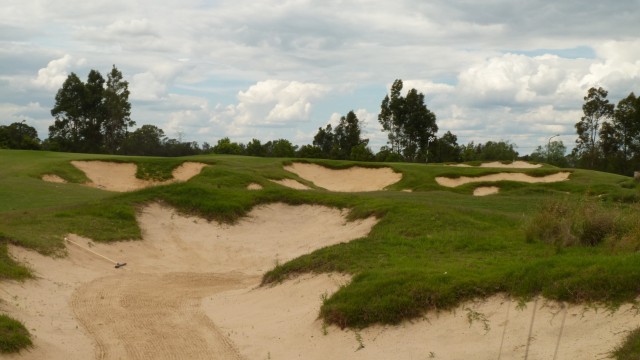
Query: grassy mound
432	249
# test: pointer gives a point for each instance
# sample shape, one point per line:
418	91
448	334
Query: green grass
13	335
630	349
432	248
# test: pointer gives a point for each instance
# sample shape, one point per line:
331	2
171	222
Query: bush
587	223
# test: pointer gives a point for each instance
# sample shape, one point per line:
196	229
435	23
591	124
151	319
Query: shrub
587	223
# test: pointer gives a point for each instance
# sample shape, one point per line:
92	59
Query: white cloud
52	76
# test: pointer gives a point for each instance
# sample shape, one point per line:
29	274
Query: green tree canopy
90	117
19	135
409	124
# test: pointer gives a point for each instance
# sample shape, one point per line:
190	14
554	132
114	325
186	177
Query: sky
202	70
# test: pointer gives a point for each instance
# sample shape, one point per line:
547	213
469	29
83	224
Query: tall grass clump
585	223
13	335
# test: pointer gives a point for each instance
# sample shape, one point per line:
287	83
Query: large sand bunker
121	177
353	179
80	307
519	177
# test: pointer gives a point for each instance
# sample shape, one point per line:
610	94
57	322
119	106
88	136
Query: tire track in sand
155	316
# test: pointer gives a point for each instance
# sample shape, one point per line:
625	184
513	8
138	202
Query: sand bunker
254	186
519	177
80	307
497	164
290	183
281	323
486	190
53	178
121	177
353	179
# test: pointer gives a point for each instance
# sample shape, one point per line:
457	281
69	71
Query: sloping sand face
121	177
353	179
454	182
281	323
290	183
80	307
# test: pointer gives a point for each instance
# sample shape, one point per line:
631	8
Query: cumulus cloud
276	102
56	72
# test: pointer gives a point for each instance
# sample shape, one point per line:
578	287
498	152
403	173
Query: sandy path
155	316
353	179
121	177
520	177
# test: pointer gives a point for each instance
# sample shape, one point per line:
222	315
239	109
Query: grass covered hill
434	247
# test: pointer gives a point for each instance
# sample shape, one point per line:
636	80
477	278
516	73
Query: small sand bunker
53	178
519	177
290	183
513	165
254	186
497	164
121	177
80	307
353	179
486	190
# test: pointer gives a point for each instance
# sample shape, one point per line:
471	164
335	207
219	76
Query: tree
626	121
254	148
489	151
90	117
411	126
348	136
597	110
118	111
445	149
225	146
390	116
324	140
552	153
19	135
148	140
283	148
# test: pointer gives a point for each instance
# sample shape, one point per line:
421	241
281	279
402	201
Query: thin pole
533	317
91	251
504	330
564	317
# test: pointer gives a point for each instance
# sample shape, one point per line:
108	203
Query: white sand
353	179
454	182
290	183
81	307
121	177
53	178
486	190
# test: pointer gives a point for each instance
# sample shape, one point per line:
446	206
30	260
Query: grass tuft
13	335
630	348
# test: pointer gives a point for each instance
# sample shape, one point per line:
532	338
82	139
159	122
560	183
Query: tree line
95	117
